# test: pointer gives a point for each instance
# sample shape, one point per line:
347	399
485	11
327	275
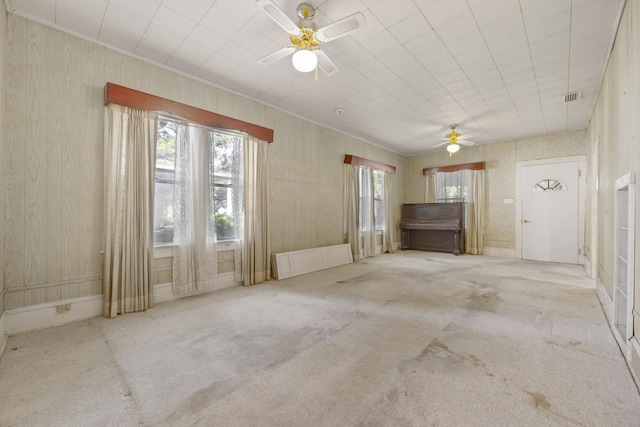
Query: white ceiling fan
306	38
455	139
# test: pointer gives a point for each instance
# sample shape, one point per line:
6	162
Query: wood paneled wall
614	138
53	221
54	148
3	164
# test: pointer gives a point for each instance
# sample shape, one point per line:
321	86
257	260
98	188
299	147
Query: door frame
627	182
582	163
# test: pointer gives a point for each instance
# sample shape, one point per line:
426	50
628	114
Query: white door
550	212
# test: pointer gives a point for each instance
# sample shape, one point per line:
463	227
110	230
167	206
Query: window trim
454	168
116	94
350	159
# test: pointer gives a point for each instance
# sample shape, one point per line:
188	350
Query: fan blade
469	135
325	63
465	142
441	144
341	27
279	16
277	55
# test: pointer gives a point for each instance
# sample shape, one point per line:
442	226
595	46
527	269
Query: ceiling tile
502	65
410	28
173	22
441	13
193	10
390	13
158	44
81	17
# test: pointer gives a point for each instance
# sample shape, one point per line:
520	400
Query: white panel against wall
295	263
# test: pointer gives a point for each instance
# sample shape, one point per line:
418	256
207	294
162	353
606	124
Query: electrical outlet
63	308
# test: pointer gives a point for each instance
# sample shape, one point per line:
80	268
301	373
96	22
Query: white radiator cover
295	263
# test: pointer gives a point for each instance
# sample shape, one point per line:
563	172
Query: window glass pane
163	214
165	166
452	186
549	185
361	206
224	178
378	199
227	184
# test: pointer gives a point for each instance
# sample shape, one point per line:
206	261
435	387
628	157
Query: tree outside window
224	180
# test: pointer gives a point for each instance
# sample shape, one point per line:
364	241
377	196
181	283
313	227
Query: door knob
526	221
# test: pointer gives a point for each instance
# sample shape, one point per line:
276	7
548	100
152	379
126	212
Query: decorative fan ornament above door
454	140
306	38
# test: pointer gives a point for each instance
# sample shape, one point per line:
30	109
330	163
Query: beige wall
501	159
614	137
54	157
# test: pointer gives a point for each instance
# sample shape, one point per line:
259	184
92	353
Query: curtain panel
475	213
389	218
130	139
430	192
368	226
256	245
352	209
464	185
194	250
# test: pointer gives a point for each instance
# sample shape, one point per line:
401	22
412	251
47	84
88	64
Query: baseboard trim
606	301
634	359
164	291
586	262
46	315
499	252
3	332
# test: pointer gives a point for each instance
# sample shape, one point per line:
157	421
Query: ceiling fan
306	38
454	140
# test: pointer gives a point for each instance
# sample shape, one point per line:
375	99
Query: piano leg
456	251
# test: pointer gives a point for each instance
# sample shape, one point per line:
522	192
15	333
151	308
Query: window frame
214	185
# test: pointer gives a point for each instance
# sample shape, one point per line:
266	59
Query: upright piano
436	227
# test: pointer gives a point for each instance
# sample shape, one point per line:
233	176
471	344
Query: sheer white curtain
194	252
475	213
367	225
130	139
430	194
352	209
467	186
389	220
256	244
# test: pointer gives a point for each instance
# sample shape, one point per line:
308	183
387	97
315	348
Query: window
225	188
165	168
226	194
452	187
549	185
371	197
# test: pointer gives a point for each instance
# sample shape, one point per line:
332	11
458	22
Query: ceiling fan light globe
304	60
453	148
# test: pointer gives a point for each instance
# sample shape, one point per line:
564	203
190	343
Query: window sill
166	251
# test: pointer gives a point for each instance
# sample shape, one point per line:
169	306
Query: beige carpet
409	339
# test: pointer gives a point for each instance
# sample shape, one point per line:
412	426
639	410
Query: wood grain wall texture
614	137
54	149
501	159
53	221
3	166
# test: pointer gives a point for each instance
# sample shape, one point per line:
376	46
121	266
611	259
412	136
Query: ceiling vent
573	96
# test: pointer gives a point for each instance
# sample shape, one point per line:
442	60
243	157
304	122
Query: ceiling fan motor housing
307	38
305	11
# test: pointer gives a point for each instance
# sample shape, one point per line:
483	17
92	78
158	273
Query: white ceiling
497	67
